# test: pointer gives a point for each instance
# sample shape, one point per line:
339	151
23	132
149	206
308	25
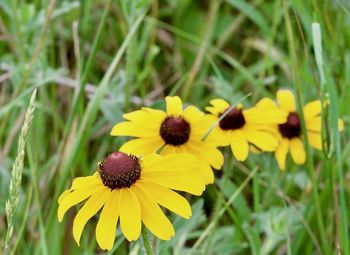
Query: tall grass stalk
16	175
333	133
309	160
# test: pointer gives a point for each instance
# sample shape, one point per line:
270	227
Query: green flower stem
146	242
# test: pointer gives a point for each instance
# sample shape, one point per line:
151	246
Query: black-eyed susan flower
243	127
290	133
129	190
177	130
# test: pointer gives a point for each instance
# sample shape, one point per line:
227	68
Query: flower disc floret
175	130
292	127
233	120
119	170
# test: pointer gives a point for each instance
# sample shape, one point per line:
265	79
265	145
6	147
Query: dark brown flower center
119	170
291	128
175	130
233	120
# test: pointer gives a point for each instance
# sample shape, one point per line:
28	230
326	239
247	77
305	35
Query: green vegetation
92	61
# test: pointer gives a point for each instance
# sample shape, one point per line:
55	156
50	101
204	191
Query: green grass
122	55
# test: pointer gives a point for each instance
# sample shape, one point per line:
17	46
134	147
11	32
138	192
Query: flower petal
146	116
312	109
340	125
315	140
130	214
167	198
88	181
297	151
205	152
286	100
64	195
239	145
152	216
107	224
90	208
187	181
74	198
173	105
281	153
172	162
219	104
262	140
266	103
168	149
314	124
205	171
142	146
128	128
192	114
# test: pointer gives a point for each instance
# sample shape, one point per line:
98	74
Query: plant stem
146	242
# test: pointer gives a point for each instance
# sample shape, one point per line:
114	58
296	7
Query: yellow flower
129	190
175	131
242	127
290	133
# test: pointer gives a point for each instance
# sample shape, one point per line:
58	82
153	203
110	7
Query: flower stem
146	242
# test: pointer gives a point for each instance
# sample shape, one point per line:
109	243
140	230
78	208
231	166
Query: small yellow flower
242	127
129	190
177	130
290	133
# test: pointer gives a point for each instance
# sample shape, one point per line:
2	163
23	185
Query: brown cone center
175	130
119	170
291	128
233	120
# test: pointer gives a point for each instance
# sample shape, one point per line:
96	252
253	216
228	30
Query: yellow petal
239	145
266	103
312	109
146	117
314	124
262	140
107	224
176	163
198	130
168	149
172	162
340	125
212	110
90	208
130	214
188	181
205	171
281	153
315	140
173	105
88	181
264	116
152	216
167	198
205	152
286	100
64	195
128	128
297	151
74	198
142	146
220	104
192	114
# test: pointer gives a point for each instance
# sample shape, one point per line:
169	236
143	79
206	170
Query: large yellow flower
129	190
175	131
290	133
242	127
